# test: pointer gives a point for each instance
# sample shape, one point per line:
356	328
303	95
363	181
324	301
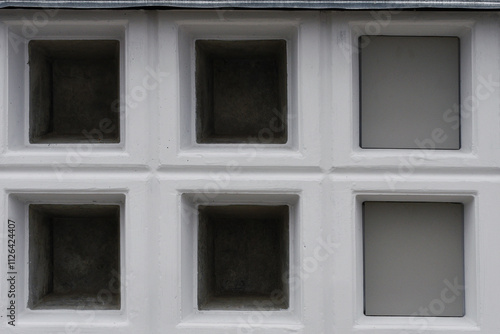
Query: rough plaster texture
73	87
74	254
242	256
410	250
241	91
410	88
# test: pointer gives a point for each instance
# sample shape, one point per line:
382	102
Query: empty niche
74	91
243	256
74	257
413	259
410	92
241	91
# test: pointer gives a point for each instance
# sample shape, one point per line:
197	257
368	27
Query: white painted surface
157	172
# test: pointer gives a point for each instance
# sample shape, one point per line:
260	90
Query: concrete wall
160	175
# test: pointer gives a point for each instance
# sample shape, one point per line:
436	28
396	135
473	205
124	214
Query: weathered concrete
73	85
74	254
243	252
241	91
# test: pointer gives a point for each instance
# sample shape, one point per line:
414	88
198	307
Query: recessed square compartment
413	259
73	91
243	257
74	256
409	92
241	91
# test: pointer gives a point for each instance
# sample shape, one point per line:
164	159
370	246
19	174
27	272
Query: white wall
158	174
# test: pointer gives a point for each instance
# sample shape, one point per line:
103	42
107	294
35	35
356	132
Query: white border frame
477	45
134	315
190	203
346	299
181	195
126	27
470	273
17	199
189	34
114	31
181	30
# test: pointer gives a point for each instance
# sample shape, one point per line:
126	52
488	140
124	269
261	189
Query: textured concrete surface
73	85
41	256
242	256
322	174
74	254
241	91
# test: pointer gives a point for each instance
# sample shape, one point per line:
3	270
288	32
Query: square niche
409	92
74	90
241	91
74	257
243	257
413	259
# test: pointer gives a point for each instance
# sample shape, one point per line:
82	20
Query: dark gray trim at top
283	4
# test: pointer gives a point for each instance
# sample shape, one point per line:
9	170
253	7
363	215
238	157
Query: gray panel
408	87
413	253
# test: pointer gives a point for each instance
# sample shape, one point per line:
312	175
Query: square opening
243	257
241	91
413	259
74	256
74	89
409	92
